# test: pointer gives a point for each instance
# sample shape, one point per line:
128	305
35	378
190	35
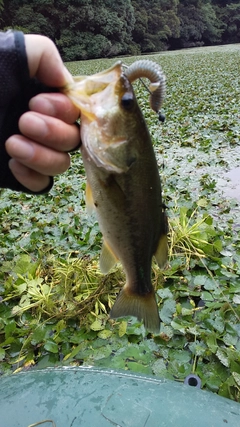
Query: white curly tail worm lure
152	71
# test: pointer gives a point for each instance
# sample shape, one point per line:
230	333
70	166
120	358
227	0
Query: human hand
48	129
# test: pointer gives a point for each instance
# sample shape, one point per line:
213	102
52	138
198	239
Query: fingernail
33	126
37	126
68	75
21	150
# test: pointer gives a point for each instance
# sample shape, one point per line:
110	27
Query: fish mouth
83	87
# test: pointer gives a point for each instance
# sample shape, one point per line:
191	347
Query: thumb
44	61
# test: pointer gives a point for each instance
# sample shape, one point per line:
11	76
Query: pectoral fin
161	253
107	258
89	199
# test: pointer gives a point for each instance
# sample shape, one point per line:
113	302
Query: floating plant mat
49	247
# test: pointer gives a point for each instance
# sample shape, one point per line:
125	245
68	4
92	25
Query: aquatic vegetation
55	302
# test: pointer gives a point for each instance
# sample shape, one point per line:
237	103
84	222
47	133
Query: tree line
84	29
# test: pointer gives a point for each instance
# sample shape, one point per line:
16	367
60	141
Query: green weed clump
59	289
57	309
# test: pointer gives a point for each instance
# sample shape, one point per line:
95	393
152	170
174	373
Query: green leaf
198	348
116	362
105	334
10	328
61	325
138	367
222	356
218	245
216	321
51	346
21	288
187	311
24	265
39	334
16	310
230	339
2	354
122	328
210	284
236	376
236	299
159	368
182	356
177	325
74	352
97	325
211	341
200	280
167	310
202	202
47	361
165	293
206	296
25	301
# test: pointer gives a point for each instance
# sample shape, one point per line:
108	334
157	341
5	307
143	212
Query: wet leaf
122	328
221	354
167	310
105	334
236	376
236	299
51	346
2	354
97	325
211	341
159	368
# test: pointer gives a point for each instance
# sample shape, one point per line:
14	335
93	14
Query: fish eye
127	101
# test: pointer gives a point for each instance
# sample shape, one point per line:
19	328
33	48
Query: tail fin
144	307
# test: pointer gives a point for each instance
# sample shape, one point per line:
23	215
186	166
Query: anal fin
107	258
89	199
161	253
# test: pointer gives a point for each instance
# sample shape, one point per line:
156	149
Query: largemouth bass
123	186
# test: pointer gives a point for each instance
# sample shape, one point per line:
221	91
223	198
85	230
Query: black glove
16	89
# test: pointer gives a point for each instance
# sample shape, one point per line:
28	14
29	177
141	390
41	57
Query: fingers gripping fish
123	183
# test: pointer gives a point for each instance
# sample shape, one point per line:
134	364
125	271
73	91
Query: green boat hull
73	397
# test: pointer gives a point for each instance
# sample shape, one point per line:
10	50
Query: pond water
230	184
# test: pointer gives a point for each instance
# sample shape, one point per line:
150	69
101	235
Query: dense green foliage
55	302
84	29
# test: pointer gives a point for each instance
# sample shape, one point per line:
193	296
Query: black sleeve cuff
16	90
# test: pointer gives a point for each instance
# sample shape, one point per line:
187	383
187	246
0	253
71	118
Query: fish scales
123	187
